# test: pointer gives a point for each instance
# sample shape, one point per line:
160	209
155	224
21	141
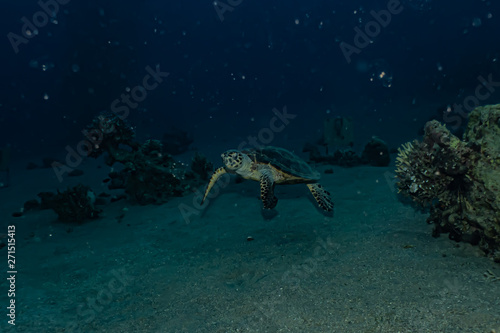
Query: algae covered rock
75	205
149	174
376	153
458	179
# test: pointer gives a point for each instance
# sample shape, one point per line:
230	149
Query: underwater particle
75	68
381	73
476	22
250	238
45	96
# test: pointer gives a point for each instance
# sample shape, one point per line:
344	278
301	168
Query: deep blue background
225	77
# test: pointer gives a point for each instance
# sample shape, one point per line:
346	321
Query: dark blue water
231	64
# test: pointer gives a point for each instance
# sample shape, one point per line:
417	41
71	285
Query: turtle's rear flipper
267	192
321	196
219	172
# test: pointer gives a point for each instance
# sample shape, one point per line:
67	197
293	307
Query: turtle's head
233	159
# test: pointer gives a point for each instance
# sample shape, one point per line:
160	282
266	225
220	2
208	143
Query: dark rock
75	205
376	153
346	157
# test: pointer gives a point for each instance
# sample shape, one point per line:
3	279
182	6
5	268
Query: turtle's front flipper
267	191
219	172
321	196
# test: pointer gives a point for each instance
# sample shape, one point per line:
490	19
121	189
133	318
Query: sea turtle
270	166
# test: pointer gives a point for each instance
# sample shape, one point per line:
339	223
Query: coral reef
149	174
108	133
75	205
375	153
459	180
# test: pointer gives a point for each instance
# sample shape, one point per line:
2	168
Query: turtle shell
285	161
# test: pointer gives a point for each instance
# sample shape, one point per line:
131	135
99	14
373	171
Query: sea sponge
458	179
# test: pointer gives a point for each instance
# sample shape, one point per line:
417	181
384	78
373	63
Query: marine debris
459	180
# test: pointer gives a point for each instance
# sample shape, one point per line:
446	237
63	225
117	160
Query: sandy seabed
372	267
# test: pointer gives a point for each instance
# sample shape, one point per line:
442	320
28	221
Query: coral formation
458	179
108	133
149	174
76	204
375	153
